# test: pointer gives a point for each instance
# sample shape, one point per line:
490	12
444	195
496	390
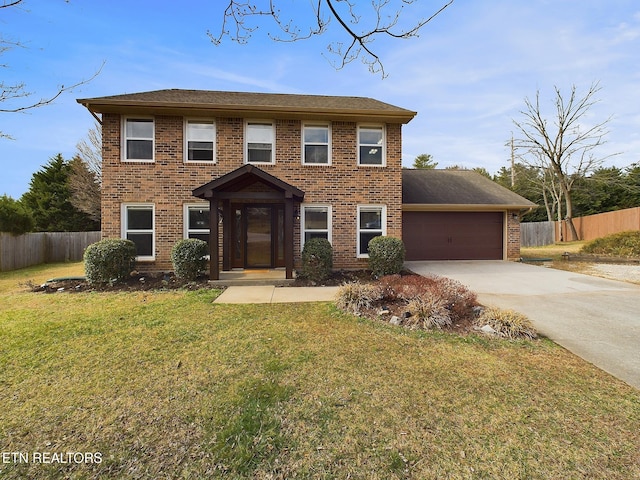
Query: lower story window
196	222
316	222
371	223
138	225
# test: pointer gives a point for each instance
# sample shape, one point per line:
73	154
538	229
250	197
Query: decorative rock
478	310
384	311
395	320
488	330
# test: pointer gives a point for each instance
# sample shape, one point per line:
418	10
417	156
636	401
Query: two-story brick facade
254	174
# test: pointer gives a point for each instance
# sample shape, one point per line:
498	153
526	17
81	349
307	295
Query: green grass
171	385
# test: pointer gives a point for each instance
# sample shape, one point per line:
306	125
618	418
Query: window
138	226
138	141
371	146
316	222
372	222
196	222
260	142
316	145
200	140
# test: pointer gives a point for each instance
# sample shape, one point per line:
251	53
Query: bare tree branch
567	148
236	26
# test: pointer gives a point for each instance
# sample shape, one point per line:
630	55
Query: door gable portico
247	185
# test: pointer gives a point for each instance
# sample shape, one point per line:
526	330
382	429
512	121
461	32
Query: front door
258	236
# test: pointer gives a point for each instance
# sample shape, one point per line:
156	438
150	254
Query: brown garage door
453	235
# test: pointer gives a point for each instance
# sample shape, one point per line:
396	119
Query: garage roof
430	189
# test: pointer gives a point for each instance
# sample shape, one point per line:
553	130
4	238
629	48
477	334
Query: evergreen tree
424	160
14	217
48	199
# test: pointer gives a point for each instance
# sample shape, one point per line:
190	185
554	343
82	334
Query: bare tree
361	25
565	146
85	176
13	97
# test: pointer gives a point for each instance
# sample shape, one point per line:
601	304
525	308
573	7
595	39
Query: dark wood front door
257	236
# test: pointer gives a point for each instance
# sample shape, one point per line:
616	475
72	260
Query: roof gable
462	188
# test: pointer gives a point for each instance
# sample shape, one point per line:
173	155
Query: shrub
14	216
354	297
109	261
317	259
428	312
189	258
458	299
623	244
386	255
507	323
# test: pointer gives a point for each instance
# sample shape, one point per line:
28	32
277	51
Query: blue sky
467	74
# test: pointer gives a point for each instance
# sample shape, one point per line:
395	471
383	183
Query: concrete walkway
595	318
271	294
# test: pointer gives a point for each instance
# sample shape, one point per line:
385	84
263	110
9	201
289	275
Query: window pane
365	238
316	154
140	128
198	218
200	151
309	235
259	152
315	219
371	155
139	219
316	134
140	149
201	236
259	133
198	131
371	136
370	219
144	243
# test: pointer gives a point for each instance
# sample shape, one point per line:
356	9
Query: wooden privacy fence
22	251
537	234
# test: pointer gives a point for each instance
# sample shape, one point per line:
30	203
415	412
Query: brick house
255	175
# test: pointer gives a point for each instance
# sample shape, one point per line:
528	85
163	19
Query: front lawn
170	385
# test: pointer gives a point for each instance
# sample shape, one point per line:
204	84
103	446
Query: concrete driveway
595	318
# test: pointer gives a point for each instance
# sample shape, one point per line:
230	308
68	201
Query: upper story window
371	149
200	141
316	144
138	139
260	142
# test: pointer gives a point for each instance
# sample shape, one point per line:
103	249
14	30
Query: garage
453	235
459	215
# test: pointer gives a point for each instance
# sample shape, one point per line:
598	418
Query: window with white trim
371	149
138	225
372	222
316	144
259	142
138	144
196	222
200	141
315	222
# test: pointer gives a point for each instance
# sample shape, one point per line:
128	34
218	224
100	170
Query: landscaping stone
395	320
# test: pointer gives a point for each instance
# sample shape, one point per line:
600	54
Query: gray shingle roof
266	103
457	188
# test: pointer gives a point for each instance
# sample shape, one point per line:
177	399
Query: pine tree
48	199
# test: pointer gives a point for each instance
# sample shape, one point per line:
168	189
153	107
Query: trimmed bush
109	261
317	259
507	323
189	258
386	256
354	297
